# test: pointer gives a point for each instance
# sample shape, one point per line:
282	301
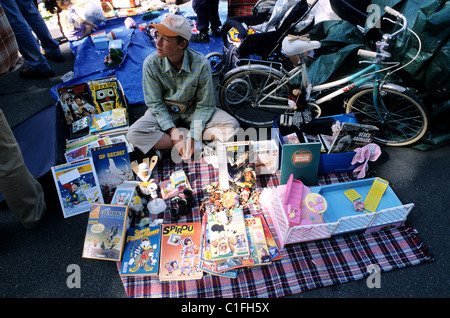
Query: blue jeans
207	12
23	16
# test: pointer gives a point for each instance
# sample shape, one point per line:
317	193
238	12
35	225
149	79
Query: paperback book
227	234
77	186
141	251
76	102
105	233
113	167
257	241
107	94
111	119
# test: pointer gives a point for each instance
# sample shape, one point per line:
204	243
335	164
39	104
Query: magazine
141	251
352	136
77	186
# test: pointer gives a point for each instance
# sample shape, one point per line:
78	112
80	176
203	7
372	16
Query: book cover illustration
274	252
257	241
76	102
180	251
352	136
107	94
301	160
81	124
105	233
124	193
141	251
108	120
113	167
236	165
77	186
227	234
206	264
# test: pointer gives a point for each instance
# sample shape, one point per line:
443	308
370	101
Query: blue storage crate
329	163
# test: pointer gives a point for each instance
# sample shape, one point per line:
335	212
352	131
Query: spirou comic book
180	251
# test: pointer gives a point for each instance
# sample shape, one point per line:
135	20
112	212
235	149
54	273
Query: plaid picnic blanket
304	266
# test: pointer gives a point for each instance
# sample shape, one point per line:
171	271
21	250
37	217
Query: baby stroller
259	36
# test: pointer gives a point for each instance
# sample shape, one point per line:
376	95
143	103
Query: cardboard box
329	163
100	40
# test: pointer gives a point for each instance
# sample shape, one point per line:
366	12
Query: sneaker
27	73
200	37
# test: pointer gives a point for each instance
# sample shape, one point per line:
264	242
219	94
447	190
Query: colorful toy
144	169
293	199
375	193
369	152
354	196
316	204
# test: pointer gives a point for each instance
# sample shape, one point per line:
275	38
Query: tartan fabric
304	266
240	7
9	51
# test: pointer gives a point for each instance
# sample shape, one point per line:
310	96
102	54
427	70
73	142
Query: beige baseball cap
174	25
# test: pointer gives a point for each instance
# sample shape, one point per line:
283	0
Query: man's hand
185	147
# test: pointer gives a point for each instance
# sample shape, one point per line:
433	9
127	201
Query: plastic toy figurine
354	196
137	206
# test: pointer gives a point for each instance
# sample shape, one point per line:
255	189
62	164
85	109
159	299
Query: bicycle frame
363	75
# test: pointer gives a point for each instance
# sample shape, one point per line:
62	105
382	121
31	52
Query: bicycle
258	91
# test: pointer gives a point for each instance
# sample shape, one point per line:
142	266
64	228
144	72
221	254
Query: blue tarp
89	62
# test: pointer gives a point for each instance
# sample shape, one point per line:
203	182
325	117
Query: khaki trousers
23	193
145	132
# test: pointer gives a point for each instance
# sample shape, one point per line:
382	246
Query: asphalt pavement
35	264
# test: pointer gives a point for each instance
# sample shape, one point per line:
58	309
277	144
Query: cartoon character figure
222	239
143	256
73	198
137	206
106	98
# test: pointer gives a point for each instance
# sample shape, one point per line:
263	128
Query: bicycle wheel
240	93
216	61
405	119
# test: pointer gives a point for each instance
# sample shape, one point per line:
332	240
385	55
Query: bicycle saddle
293	45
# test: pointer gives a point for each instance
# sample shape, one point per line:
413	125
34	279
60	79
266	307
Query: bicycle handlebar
391	11
399	16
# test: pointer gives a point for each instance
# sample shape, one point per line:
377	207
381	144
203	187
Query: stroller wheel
216	61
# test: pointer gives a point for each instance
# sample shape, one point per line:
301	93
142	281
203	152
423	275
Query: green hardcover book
301	160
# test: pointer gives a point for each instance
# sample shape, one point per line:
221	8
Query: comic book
227	234
257	241
180	251
107	94
105	232
111	119
141	251
76	102
85	150
274	252
113	167
206	264
77	186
